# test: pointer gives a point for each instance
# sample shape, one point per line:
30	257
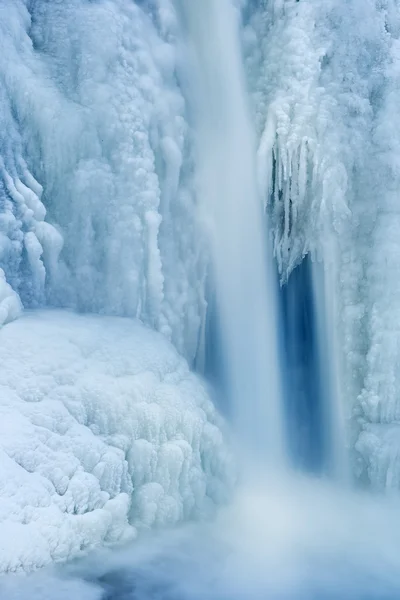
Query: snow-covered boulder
103	431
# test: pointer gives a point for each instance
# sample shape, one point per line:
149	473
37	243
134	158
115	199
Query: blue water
305	394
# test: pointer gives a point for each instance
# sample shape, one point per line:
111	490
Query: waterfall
244	274
330	372
209	186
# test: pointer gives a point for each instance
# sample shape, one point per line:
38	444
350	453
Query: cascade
206	185
333	417
244	275
304	389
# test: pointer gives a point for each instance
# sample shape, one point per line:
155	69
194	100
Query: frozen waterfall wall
325	87
99	183
96	164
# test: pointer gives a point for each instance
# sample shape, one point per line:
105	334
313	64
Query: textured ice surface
10	304
90	105
98	184
103	431
325	89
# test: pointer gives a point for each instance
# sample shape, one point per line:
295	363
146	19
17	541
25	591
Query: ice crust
103	432
97	198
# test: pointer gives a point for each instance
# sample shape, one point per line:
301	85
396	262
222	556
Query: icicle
154	276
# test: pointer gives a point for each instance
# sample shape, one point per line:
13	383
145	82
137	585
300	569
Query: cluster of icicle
324	89
303	184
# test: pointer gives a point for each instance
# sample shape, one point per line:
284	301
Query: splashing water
293	540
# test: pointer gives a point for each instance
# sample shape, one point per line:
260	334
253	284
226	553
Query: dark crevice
302	380
300	365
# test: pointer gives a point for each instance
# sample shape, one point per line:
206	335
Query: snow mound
103	431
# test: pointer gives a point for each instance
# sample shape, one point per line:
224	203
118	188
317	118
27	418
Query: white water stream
245	285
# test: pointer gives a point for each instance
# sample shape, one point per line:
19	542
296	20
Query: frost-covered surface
302	162
90	106
103	431
28	244
97	179
10	304
326	90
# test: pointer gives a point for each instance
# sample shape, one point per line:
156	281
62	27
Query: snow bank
103	431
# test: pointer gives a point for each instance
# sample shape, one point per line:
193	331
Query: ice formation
100	121
99	212
103	431
325	87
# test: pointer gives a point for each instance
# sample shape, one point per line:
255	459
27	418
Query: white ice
103	432
94	127
286	540
325	90
98	211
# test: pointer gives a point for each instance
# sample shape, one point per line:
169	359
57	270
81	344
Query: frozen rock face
103	431
91	107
